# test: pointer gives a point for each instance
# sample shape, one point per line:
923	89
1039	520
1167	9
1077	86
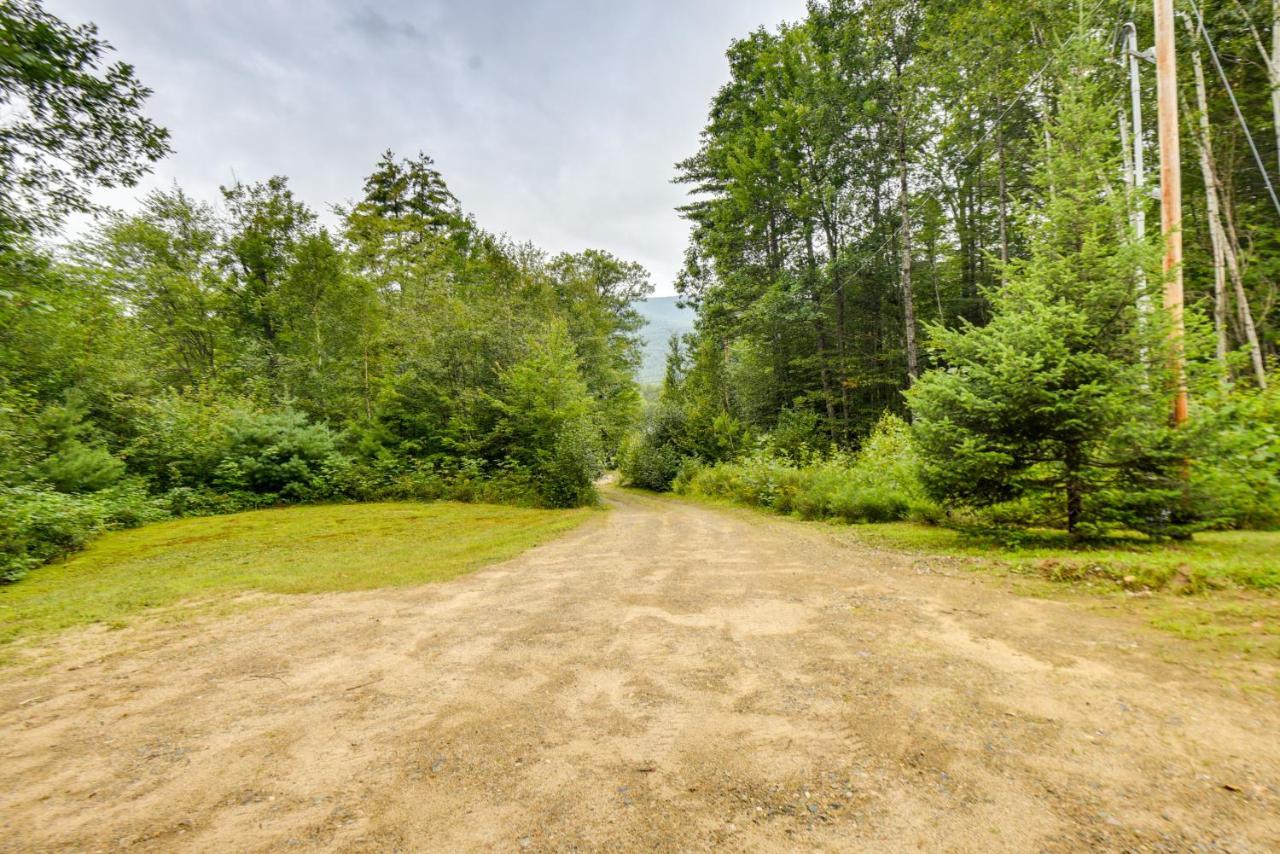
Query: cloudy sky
555	121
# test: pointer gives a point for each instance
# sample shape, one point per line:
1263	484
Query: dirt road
668	677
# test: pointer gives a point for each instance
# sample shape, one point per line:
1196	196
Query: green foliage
279	454
547	422
1236	478
876	156
647	463
70	124
213	358
1061	398
38	524
652	455
879	483
76	467
798	436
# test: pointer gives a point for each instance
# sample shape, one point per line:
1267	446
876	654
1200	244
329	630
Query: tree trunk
1075	489
1223	228
904	213
1231	245
1204	142
820	337
842	356
1273	71
1004	197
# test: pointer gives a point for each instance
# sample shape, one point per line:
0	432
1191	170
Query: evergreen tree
1061	402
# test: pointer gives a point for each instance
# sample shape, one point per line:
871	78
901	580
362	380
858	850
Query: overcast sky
555	121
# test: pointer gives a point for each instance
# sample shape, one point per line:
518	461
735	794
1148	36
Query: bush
280	454
799	436
1236	478
38	524
77	467
878	484
648	465
651	457
565	475
212	456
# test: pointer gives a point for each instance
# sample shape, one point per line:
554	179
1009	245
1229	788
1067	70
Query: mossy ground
309	549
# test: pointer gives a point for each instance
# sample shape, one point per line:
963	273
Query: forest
924	257
928	273
204	356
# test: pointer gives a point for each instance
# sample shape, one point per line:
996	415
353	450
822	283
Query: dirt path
668	677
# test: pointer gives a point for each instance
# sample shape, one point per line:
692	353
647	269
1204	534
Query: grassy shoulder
1221	589
1212	560
307	549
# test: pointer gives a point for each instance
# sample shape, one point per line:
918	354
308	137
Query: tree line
205	355
926	209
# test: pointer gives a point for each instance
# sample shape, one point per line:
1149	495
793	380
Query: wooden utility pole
1170	196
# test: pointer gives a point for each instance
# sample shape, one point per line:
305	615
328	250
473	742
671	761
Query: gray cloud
377	27
554	121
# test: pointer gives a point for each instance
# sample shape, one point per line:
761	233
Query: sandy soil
669	677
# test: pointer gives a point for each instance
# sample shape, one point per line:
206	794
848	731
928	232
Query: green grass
287	550
1213	559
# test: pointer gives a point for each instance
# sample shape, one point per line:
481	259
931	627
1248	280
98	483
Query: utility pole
1170	196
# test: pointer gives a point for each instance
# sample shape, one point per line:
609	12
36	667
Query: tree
1059	402
265	227
547	421
68	124
162	264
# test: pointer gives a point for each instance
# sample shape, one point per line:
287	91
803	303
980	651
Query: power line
1213	54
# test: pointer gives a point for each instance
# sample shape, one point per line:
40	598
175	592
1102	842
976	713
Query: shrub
77	467
38	524
798	436
565	474
651	457
212	456
1236	478
878	484
280	454
184	440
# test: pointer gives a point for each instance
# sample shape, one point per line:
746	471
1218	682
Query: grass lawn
286	550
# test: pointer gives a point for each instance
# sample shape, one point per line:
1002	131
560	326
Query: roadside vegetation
866	362
202	356
920	290
316	549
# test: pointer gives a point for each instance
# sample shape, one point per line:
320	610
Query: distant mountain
663	318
